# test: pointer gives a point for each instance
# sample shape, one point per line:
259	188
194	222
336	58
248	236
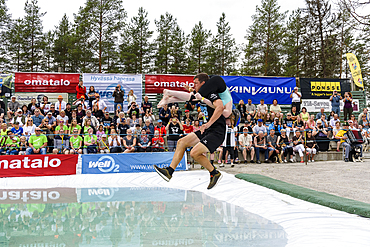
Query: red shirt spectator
80	89
161	128
188	128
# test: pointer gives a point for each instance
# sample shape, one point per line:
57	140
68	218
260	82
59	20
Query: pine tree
15	45
47	61
136	49
4	25
198	48
265	40
63	45
178	51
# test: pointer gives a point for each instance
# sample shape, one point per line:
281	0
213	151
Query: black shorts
212	138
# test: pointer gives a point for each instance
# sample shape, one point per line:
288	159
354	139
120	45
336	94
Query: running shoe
214	180
222	165
163	172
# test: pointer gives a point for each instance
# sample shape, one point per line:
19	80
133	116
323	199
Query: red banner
156	83
49	195
37	165
46	82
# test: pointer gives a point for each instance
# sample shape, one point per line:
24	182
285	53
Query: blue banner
137	194
257	88
125	163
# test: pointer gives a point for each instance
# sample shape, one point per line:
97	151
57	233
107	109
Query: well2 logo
104	164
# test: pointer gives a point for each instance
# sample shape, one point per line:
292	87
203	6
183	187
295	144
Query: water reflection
128	217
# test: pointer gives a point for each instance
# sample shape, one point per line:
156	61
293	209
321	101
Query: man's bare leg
197	154
182	144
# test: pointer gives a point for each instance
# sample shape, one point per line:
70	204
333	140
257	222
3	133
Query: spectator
275	107
68	111
25	111
187	127
62	116
123	127
103	144
242	109
13	147
47	129
17	130
61	142
118	96
296	99
2	112
86	127
298	144
37	143
299	125
250	109
364	113
37	118
262	108
259	127
304	114
129	142
23	145
355	123
318	115
74	126
288	123
80	113
13	106
114	142
351	125
75	142
134	121
60	105
189	105
272	145
174	109
174	129
133	110
99	102
260	145
342	136
187	116
257	116
284	142
29	128
335	102
144	142
19	117
137	131
165	114
131	97
245	145
276	126
161	128
311	124
91	96
45	104
94	121
4	129
228	144
157	142
61	126
100	132
145	106
331	116
364	124
149	116
348	109
250	120
83	102
32	106
54	112
196	125
268	120
324	122
51	119
201	118
107	120
80	89
294	113
310	146
90	142
149	128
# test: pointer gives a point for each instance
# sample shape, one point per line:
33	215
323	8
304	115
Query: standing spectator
261	145
12	107
165	114
250	109
157	142
296	99
262	108
335	102
45	104
118	96
91	96
80	113
145	106
29	128
174	129
90	142
310	146
275	107
83	102
298	144
348	109
114	142
144	142
245	145
37	118
131	97
99	102
37	143
228	144
242	109
60	105
80	89
129	142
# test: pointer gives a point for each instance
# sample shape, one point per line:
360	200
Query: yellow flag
355	69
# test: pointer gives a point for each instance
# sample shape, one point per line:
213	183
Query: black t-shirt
310	141
284	140
134	112
189	105
106	121
123	129
146	105
295	138
288	122
228	136
174	131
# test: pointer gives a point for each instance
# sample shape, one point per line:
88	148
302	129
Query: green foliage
198	48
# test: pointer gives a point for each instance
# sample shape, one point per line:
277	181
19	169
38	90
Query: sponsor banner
156	83
105	84
126	163
48	195
257	88
137	194
316	88
37	165
25	98
354	65
46	82
5	85
316	105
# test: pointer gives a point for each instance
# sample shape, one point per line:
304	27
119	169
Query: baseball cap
82	97
159	121
15	138
186	110
245	128
37	128
50	112
19	110
104	135
350	121
60	97
260	120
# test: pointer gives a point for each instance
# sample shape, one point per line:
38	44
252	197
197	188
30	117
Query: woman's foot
163	101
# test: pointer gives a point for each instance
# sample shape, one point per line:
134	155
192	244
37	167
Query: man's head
288	116
259	122
88	113
19	112
156	133
159	122
322	110
104	137
147	122
68	106
38	131
37	112
272	132
187	112
283	131
60	98
118	86
297	133
346	125
13	98
260	133
262	101
249	101
52	108
199	80
350	123
106	115
294	108
245	131
365	110
146	98
335	116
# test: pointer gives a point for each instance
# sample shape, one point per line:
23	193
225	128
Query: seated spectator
196	125
298	144
276	126
100	132
275	107
26	112
250	109
29	128
321	135
37	118
98	113
61	142
294	113
2	112
54	112
23	145
114	142
288	123
94	122
304	114
187	127
318	115
45	104
106	120
51	119
268	120
190	105
90	142
131	97
342	136
352	125
261	145
363	123
123	127
201	118
47	129
165	114
187	116
74	126
121	118
62	116
364	113
174	130
80	113
149	116
250	120
354	121
146	106
310	146
144	142
149	128
259	127
86	127
84	103
245	145
13	147
68	111
103	145
137	131
61	126
75	142
157	142
17	131
111	127
13	106
60	105
272	145
161	128
262	107
298	125
133	110
134	121
333	121
284	144
37	143
330	116
19	117
129	142
4	129
257	116
311	124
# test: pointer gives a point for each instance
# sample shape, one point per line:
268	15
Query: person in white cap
19	117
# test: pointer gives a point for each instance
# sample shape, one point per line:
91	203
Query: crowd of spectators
85	126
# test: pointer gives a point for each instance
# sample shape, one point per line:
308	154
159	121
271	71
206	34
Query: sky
188	13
